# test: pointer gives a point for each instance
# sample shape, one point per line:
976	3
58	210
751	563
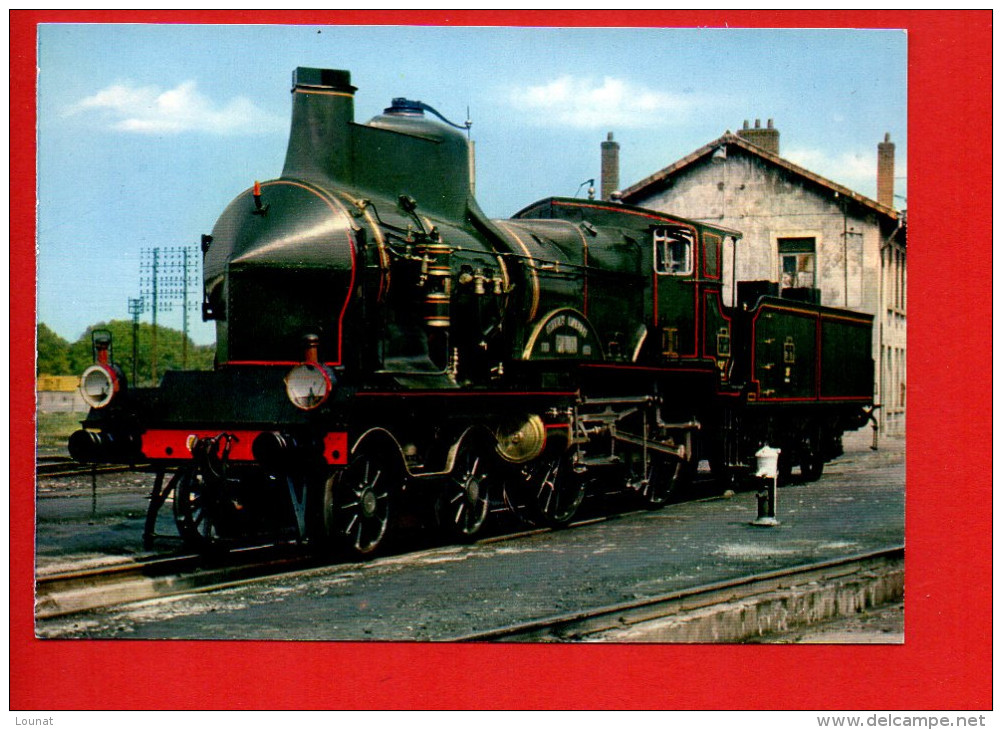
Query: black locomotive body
378	337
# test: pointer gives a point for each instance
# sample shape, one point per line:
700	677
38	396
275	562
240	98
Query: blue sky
145	132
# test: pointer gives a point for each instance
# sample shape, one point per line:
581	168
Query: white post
768	469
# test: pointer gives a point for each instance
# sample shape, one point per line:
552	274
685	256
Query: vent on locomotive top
401	106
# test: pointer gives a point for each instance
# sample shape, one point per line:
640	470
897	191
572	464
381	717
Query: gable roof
652	183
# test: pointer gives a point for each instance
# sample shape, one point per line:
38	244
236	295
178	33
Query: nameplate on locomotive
563	334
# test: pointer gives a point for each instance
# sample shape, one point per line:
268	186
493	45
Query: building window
796	262
673	250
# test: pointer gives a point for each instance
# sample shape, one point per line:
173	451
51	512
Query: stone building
801	230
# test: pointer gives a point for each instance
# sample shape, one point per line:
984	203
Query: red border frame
945	663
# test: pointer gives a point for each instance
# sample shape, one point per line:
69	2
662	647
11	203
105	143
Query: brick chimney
610	167
885	172
767	139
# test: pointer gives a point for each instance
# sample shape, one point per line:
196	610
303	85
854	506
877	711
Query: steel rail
65	466
65	593
579	625
69	592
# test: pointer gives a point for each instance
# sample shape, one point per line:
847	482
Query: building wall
767	204
892	365
50	401
59	393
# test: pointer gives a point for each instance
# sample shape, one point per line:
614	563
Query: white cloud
150	110
856	170
587	102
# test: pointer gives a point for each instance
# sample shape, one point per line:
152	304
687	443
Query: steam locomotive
382	344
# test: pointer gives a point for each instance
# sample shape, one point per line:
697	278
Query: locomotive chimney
323	108
885	172
610	167
767	138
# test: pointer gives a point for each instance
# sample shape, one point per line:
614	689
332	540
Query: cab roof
601	212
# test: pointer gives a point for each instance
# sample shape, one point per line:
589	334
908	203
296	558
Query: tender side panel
846	364
784	347
802	352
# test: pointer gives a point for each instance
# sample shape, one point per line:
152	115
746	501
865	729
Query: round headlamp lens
308	385
98	385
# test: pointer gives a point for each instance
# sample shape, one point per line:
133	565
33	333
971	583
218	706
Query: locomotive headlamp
98	385
101	381
310	383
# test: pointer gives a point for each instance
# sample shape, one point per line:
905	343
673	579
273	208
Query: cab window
673	251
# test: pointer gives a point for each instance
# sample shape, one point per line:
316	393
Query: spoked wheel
550	489
463	504
198	510
357	501
656	484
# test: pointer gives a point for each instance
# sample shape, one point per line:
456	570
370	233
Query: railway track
728	611
736	610
64	466
68	592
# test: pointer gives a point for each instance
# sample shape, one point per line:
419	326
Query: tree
53	353
79	355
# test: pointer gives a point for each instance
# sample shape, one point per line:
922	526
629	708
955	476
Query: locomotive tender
382	343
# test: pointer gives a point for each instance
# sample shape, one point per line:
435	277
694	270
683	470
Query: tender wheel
659	482
197	510
357	502
463	504
551	489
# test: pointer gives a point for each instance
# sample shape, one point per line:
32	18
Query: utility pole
135	309
184	309
155	279
166	276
